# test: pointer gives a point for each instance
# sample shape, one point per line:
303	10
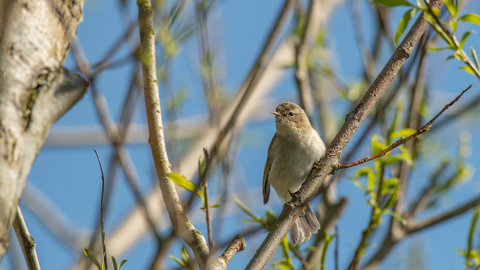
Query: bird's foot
295	194
317	166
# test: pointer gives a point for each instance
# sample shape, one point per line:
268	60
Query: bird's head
290	118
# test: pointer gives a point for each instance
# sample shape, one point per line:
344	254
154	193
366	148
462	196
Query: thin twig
207	208
102	223
425	128
299	256
26	241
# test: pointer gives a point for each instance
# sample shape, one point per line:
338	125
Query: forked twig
425	128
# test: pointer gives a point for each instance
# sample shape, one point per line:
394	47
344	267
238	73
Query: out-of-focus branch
365	53
425	128
26	241
301	68
113	134
416	226
292	209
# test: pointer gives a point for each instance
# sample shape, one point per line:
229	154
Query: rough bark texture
35	89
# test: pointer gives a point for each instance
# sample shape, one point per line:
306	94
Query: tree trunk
35	89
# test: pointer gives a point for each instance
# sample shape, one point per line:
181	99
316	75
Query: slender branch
425	128
207	208
26	241
300	257
181	224
236	245
366	55
292	209
416	226
466	59
301	68
102	223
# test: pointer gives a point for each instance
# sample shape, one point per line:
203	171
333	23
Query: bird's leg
316	165
295	194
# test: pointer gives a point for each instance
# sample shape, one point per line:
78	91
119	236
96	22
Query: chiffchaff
294	148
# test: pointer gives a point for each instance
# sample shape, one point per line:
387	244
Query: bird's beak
276	114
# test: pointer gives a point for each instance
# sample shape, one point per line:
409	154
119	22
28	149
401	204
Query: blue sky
70	176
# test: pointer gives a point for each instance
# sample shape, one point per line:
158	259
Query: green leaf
121	264
451	7
428	17
92	258
328	240
388	184
184	255
177	260
471	18
464	38
245	208
395	215
474	56
468	69
421	5
440	48
403	133
377	146
393	197
396	119
215	205
470	236
115	266
392	3
358	184
453	24
459	56
183	182
404	23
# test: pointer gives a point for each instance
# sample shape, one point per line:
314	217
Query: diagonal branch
26	241
394	145
292	209
416	226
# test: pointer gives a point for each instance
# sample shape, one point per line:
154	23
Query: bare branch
26	241
425	128
416	226
237	245
292	209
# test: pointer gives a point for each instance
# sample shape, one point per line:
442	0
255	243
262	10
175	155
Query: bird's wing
266	170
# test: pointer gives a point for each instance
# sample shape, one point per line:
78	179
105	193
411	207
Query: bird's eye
291	114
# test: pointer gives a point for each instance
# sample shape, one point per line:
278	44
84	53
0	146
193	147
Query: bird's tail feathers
304	226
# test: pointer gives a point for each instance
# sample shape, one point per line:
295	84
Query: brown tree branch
26	241
416	226
181	224
425	128
292	209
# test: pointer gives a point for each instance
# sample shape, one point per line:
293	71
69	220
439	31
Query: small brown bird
291	154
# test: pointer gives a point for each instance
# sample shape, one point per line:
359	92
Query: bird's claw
317	166
295	194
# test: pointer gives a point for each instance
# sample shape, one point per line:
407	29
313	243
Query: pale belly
291	165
